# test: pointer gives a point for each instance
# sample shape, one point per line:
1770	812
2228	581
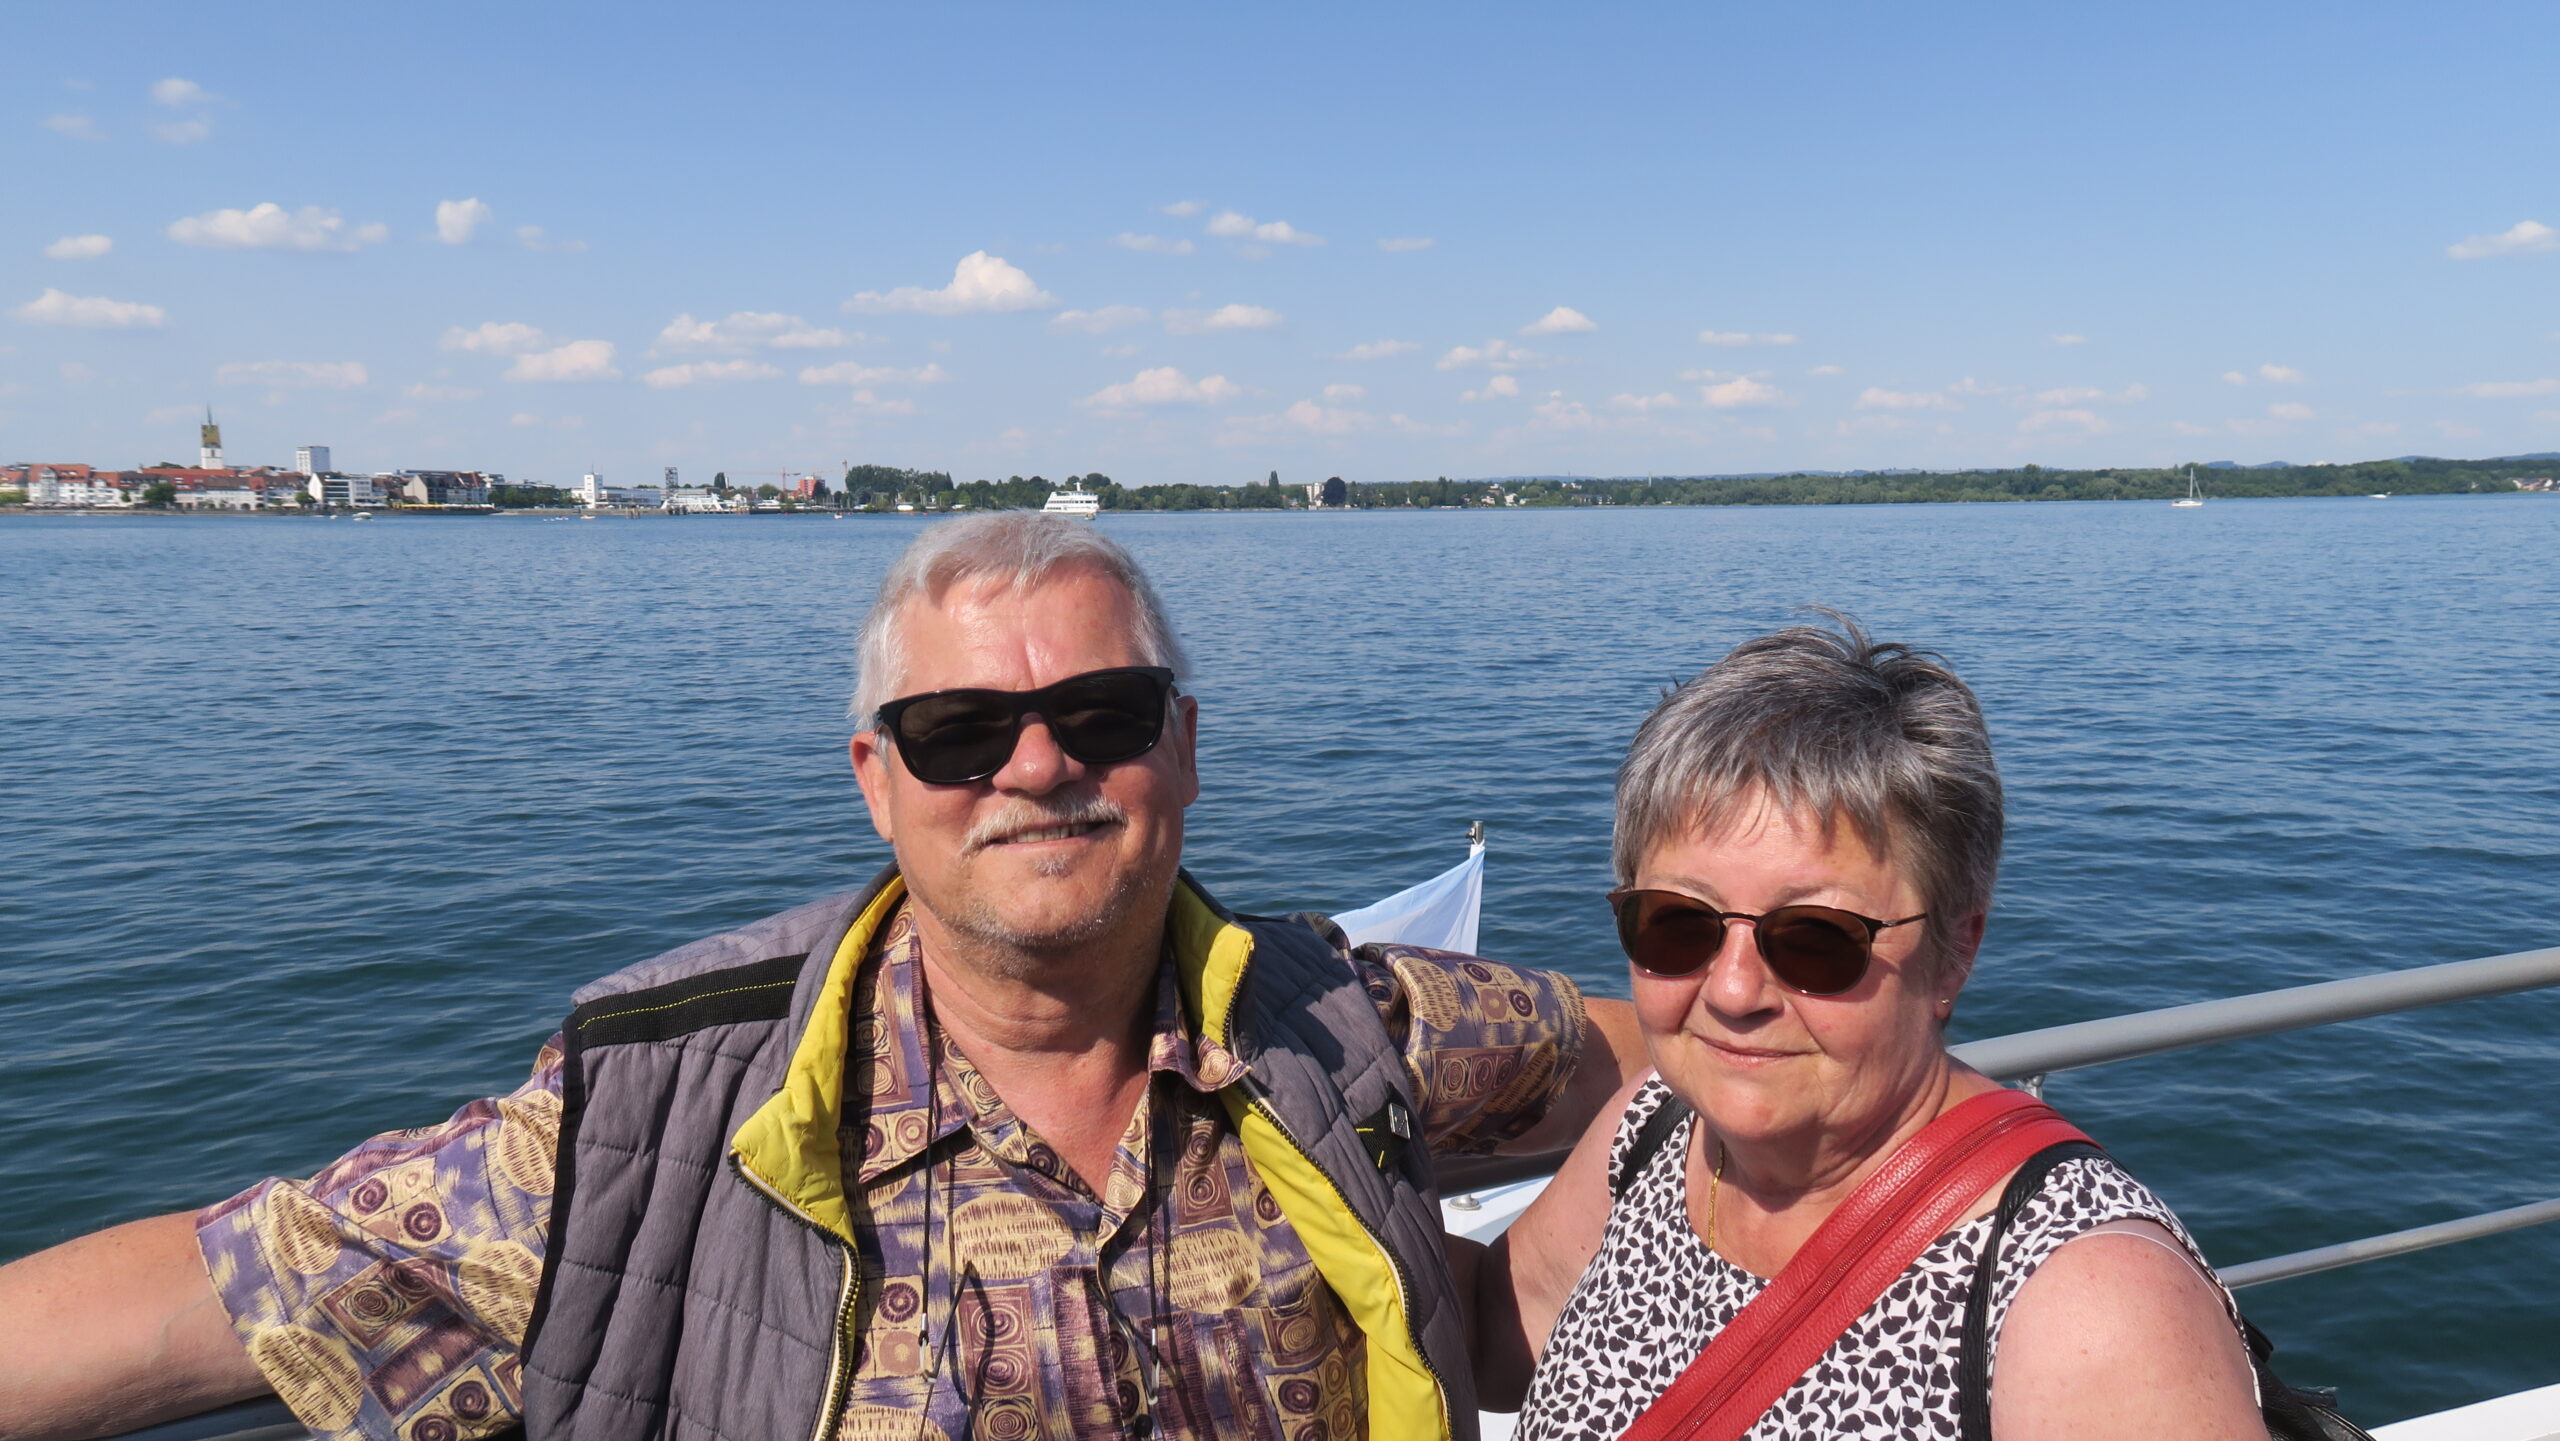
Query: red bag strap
1848	1262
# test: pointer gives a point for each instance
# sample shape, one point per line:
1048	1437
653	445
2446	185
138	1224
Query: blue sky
1196	243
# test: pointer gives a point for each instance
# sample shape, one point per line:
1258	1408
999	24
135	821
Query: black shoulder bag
2291	1414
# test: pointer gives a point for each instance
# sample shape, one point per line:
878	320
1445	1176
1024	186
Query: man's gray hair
1018	548
1827	724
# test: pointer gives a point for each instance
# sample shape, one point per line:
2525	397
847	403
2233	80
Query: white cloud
1101	320
496	337
2071	395
1563	320
184	132
1377	350
1495	354
1740	393
2066	422
2508	389
577	360
2068	339
73	127
2289	410
524	419
269	226
456	219
1121	352
1501	386
533	237
1344	392
90	312
1185	207
293	374
2525	237
175	92
1400	244
744	330
707	372
1229	225
1316	419
79	247
979	283
1824	370
2271	373
1875	398
1645	404
1163	385
1225	317
846	372
1153	244
1734	339
420	390
2456	430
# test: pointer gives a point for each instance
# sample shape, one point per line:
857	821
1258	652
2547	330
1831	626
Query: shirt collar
892	1083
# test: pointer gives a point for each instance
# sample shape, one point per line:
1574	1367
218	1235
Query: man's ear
871	772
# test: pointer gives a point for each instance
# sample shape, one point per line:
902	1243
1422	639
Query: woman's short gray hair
1827	724
1019	549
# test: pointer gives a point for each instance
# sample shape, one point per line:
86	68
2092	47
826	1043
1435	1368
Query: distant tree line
885	487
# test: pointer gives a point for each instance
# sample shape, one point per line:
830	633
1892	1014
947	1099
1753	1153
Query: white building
239	497
49	488
311	459
346	490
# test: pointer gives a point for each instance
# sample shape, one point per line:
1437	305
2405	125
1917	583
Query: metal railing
2028	1057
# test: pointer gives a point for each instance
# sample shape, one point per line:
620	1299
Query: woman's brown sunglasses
1812	950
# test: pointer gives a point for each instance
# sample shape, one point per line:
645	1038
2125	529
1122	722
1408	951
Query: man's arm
116	1330
1612	1056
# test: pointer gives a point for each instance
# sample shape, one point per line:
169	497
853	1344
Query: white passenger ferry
1074	500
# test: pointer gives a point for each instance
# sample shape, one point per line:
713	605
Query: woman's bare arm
2117	1337
114	1331
1523	1279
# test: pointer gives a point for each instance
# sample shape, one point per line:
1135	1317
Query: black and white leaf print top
1654	1297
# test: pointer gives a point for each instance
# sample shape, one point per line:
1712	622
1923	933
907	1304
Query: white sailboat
2192	497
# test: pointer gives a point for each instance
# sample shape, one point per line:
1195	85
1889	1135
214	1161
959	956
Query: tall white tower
312	459
209	451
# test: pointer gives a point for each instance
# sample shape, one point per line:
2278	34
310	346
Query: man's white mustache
1023	816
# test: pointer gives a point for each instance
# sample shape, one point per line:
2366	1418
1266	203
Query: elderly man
1027	1138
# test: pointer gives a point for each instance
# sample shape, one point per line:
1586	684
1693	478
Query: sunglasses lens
1107	716
1668	935
1814	949
958	736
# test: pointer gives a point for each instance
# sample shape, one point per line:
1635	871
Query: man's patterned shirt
386	1296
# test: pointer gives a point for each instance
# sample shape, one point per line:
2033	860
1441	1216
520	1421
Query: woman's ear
1962	940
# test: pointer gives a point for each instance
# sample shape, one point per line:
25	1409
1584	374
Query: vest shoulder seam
756	991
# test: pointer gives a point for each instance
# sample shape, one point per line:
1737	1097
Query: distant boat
2379	495
2192	497
1074	500
363	515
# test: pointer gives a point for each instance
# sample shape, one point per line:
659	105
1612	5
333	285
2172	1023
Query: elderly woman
1806	839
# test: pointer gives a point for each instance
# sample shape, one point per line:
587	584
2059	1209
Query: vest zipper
1395	1263
831	1409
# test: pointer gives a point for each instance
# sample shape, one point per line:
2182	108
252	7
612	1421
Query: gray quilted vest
699	1279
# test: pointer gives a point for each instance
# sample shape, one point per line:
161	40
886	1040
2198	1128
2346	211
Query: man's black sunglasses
952	737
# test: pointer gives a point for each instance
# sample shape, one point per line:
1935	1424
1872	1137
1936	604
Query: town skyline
1185	247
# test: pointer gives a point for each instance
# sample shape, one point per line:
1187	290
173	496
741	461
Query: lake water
311	826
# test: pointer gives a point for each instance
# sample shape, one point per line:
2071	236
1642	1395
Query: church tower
209	453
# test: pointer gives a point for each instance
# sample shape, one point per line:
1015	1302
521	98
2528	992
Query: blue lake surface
311	826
